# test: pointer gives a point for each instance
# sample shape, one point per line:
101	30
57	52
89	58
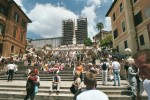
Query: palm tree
100	26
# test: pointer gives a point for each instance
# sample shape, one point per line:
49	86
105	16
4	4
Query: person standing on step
77	84
30	86
11	68
116	71
91	93
104	66
132	78
55	84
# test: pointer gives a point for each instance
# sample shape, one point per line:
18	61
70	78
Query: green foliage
107	41
100	26
88	42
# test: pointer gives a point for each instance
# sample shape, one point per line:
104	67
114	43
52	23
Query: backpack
104	66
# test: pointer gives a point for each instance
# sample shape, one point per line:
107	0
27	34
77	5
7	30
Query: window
3	10
138	18
1	48
21	37
16	17
1	29
114	16
123	27
121	7
115	33
142	42
12	49
23	23
147	12
134	1
117	47
14	32
125	44
148	29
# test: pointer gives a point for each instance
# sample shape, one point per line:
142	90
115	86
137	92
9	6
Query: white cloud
90	12
47	19
107	25
94	2
91	15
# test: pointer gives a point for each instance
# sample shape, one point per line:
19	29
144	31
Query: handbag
72	89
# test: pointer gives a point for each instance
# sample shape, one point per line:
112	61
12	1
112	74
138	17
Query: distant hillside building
13	28
54	42
81	31
96	38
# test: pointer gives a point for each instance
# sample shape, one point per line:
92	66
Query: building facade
81	31
96	38
70	31
67	31
130	24
40	43
13	28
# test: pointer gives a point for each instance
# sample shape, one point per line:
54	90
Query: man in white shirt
91	93
11	68
116	71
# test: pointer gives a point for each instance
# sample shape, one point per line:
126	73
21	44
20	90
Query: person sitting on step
55	84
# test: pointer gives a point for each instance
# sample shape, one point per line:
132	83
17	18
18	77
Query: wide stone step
53	96
66	91
123	88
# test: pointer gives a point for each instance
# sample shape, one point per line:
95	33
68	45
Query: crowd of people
136	68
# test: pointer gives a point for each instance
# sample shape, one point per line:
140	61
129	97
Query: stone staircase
15	90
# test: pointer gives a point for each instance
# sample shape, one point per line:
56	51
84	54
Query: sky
47	15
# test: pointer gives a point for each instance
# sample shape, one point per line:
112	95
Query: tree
87	42
100	26
107	42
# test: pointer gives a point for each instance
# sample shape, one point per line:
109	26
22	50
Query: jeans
10	75
30	93
116	76
57	87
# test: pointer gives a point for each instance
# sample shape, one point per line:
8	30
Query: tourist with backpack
104	67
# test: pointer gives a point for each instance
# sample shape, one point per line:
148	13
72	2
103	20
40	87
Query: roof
111	7
12	1
103	31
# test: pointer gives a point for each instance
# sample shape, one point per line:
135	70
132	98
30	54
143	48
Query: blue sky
47	15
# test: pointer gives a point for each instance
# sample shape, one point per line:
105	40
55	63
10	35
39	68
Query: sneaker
57	92
50	92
